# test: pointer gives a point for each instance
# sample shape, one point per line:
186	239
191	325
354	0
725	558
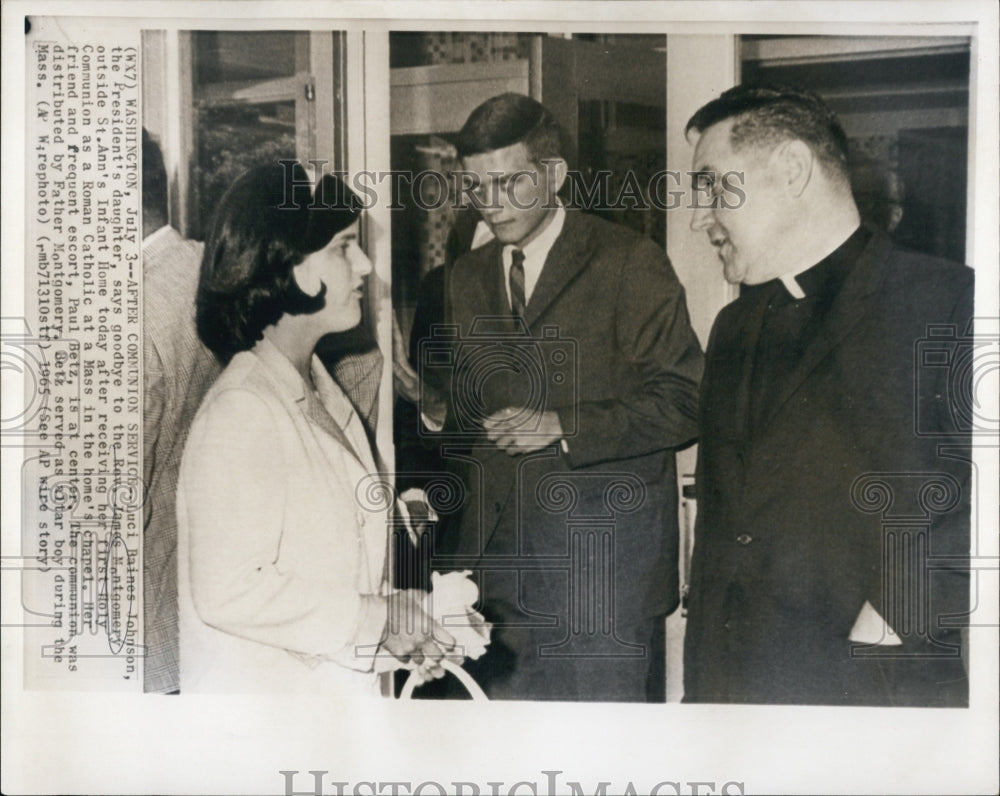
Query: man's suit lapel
567	257
730	366
486	280
851	304
748	327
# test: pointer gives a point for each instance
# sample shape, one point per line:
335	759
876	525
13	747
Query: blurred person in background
283	582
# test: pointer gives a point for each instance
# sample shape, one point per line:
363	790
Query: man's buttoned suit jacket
850	489
573	549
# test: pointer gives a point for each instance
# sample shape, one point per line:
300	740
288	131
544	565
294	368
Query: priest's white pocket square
871	628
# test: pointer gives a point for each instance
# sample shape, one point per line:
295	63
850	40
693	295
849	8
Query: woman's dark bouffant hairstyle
266	224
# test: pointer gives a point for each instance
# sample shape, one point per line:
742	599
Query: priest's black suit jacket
854	487
575	549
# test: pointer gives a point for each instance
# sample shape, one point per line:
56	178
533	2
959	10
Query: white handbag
466	679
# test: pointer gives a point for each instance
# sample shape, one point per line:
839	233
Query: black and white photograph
565	397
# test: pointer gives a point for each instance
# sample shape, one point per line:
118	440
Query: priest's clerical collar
828	274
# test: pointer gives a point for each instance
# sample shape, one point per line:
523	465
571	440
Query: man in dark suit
573	378
830	562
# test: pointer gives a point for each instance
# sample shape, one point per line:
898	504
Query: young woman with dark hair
281	553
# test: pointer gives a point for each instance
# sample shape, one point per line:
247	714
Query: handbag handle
466	679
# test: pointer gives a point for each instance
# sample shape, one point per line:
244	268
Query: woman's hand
414	637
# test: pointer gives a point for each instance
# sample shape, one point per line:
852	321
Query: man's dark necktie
516	280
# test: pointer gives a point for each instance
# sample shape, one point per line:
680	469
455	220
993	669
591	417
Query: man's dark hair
508	119
267	222
154	186
764	116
